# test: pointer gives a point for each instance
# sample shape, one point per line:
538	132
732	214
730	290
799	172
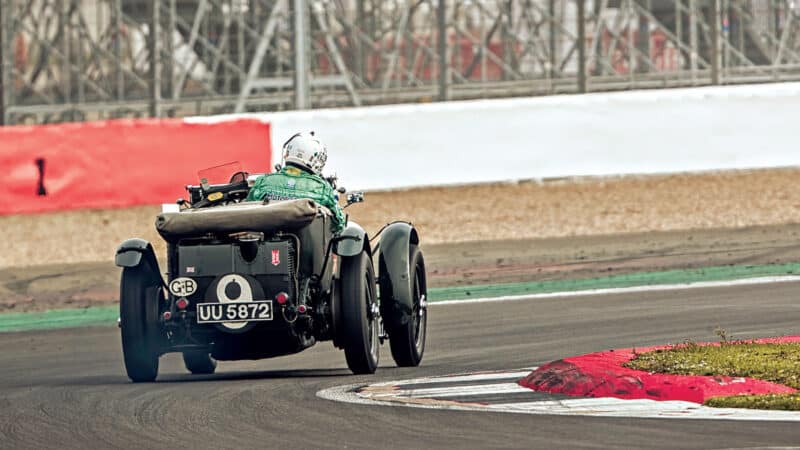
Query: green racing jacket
291	183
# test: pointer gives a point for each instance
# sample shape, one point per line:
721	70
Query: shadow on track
176	378
254	375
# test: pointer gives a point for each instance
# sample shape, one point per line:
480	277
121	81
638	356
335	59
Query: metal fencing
72	60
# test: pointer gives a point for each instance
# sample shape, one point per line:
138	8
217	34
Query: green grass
60	318
778	363
678	276
784	402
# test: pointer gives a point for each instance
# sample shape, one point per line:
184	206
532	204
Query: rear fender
393	273
134	252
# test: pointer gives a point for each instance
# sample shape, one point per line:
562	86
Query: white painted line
456	391
506	375
613	407
627	290
347	394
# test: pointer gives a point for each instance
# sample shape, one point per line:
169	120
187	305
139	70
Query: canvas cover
248	216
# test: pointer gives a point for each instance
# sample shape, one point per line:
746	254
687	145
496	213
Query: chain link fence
73	60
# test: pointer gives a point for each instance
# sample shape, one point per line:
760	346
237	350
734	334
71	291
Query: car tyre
199	363
407	341
140	292
360	316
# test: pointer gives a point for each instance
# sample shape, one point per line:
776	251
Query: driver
304	157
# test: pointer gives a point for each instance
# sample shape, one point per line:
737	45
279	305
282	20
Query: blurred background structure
75	60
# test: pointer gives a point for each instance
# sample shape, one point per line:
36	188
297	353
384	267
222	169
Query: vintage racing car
252	280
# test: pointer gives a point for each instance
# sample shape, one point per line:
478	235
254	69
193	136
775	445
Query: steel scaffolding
71	60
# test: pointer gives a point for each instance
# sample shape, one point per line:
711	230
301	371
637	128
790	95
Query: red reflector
182	303
282	298
301	309
167	315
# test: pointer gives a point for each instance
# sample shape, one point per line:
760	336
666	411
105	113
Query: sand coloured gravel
522	210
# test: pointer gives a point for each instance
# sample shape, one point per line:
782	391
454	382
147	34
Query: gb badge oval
183	287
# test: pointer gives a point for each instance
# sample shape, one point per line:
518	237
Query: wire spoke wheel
373	316
407	340
420	310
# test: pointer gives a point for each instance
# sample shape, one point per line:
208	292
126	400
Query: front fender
132	252
393	272
352	241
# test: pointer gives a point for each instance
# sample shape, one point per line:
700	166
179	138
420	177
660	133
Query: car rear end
232	295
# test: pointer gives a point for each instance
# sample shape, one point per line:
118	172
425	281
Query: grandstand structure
74	60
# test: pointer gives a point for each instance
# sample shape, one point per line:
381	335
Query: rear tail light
282	298
167	315
182	303
302	309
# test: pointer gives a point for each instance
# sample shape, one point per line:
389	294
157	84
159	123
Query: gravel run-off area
512	228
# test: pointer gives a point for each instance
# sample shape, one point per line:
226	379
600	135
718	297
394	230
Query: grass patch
60	318
678	276
783	402
778	363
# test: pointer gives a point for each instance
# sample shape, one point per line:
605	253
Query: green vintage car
253	280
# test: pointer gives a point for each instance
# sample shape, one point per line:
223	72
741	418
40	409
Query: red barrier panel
121	162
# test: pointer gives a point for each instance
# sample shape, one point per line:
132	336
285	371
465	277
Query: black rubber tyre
140	293
199	363
336	314
407	341
360	317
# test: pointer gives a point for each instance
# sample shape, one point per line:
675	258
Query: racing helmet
305	150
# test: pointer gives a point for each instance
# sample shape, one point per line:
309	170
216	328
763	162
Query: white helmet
306	151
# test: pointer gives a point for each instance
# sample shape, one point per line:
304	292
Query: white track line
504	375
627	290
614	407
455	391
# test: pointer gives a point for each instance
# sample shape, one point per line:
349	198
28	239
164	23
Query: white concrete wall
639	132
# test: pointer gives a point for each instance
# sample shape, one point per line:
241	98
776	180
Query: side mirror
278	167
354	197
341	190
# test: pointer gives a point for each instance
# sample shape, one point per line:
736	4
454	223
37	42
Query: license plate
234	312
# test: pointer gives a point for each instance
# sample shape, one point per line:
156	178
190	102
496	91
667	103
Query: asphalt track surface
67	389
